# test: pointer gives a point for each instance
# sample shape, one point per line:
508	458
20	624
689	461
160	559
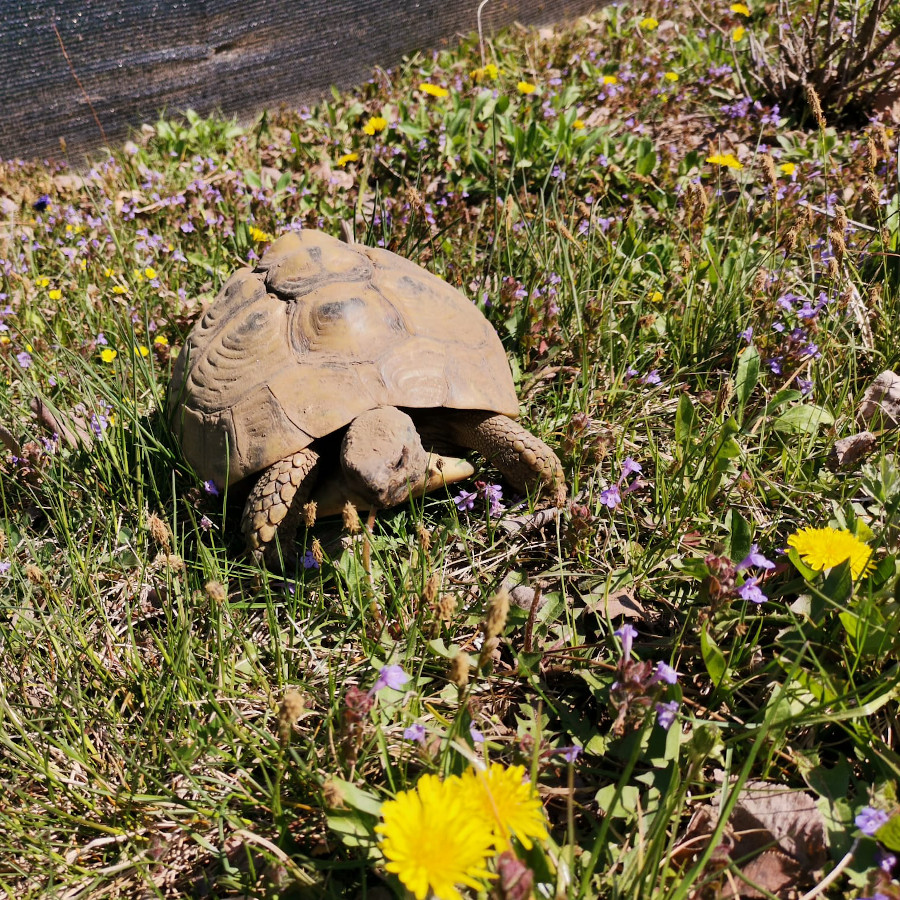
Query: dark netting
135	58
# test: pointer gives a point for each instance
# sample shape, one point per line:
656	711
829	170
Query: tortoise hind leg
525	460
275	506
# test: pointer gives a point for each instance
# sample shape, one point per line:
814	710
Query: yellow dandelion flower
433	90
119	289
656	297
501	796
738	33
258	235
108	272
610	79
375	124
108	355
55	294
150	273
788	168
488	72
578	124
42	282
348	158
824	548
144	351
432	842
728	160
4	340
526	87
161	340
82	264
648	23
740	8
671	76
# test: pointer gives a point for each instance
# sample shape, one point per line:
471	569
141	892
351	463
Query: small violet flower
749	590
666	713
210	488
626	634
415	732
611	497
465	500
754	558
309	560
476	735
870	820
570	754
664	672
390	676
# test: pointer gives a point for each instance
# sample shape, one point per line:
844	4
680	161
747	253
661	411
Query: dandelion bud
768	165
840	219
318	554
309	513
815	106
159	531
215	591
350	517
459	669
497	611
289	710
871	153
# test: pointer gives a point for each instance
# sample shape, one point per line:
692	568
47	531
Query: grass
175	721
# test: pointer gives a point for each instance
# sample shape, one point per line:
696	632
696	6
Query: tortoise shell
319	332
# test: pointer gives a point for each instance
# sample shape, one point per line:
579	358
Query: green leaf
889	834
839	585
746	378
713	658
685	426
806	571
804	419
740	535
252	179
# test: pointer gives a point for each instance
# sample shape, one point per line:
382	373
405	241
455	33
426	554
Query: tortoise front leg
525	460
275	506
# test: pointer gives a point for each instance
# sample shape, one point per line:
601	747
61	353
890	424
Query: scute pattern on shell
318	333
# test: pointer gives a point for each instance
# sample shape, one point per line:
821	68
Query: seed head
768	165
309	513
790	239
424	536
870	192
289	710
684	257
429	594
834	270
159	531
883	141
351	518
332	795
497	612
216	592
838	246
318	554
459	669
34	574
871	153
446	607
815	106
759	281
840	219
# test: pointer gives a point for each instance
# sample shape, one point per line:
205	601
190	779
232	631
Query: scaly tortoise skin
323	335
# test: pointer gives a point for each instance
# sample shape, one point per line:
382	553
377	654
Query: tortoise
333	354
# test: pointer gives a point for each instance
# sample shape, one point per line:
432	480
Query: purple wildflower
754	558
309	561
626	634
24	359
206	523
570	754
870	820
390	676
652	377
666	713
664	672
475	734
747	334
611	497
415	733
5	566
465	500
749	590
210	488
630	467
